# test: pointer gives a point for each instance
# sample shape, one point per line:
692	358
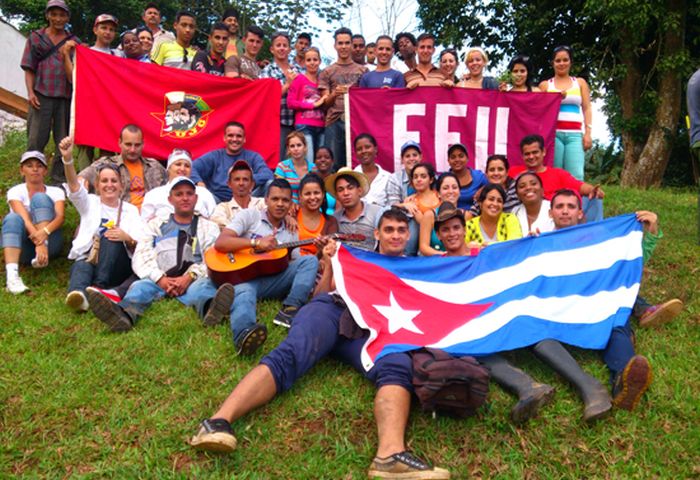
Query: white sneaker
77	301
16	286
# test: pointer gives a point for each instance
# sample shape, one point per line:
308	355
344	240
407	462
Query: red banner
174	108
487	122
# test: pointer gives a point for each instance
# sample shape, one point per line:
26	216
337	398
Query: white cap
178	180
178	154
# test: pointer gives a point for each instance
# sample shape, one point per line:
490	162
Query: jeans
144	292
411	249
52	115
113	267
314	139
568	153
296	282
14	233
619	350
315	334
335	140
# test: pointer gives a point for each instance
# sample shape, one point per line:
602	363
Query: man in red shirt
553	179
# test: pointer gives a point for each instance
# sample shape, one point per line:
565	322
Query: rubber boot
596	399
531	395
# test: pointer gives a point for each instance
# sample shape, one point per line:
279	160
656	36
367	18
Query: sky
364	18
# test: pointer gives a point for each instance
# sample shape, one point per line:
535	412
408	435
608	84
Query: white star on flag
398	317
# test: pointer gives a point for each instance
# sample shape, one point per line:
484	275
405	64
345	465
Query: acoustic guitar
248	263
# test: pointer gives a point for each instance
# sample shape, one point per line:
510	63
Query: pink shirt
301	96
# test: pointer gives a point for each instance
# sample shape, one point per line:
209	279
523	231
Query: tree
637	52
291	16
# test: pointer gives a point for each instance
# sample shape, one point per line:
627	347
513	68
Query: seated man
240	181
553	179
156	203
450	227
355	215
211	169
314	335
169	263
263	231
138	174
630	374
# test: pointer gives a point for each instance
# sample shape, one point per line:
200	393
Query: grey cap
33	154
57	4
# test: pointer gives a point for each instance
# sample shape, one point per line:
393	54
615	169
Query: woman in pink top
305	99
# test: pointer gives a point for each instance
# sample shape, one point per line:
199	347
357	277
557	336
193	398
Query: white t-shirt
377	194
543	222
21	194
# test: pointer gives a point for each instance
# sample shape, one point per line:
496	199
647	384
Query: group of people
146	229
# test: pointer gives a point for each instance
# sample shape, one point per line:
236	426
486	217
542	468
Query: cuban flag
573	285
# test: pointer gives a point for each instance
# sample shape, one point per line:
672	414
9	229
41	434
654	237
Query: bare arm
587	113
66	147
29	80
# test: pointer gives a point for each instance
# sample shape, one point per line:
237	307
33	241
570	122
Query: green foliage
286	15
79	402
603	164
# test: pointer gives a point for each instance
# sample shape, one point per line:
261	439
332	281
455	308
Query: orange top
430	206
136	185
305	233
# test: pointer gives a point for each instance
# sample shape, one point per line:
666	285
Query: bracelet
63	160
47	231
254	242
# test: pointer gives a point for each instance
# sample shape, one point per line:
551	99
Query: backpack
456	386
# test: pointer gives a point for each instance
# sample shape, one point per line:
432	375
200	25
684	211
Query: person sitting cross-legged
315	334
263	231
168	261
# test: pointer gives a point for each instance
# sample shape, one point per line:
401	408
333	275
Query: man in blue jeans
263	231
169	263
322	328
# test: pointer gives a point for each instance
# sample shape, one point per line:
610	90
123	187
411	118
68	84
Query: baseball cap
178	180
33	154
239	165
104	18
459	146
410	144
176	155
57	4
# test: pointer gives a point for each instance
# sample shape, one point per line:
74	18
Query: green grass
77	401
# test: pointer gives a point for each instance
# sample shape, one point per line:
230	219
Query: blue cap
410	144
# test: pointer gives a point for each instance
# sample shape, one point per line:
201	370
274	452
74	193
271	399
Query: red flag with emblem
174	108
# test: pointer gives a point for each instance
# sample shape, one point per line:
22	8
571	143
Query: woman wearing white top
106	223
155	202
31	232
366	154
533	211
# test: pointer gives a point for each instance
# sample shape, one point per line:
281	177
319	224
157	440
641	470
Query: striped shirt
51	80
570	117
172	54
274	71
433	78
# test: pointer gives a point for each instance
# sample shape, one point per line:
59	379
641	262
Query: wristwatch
192	275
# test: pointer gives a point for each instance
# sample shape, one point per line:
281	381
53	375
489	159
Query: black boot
596	399
531	395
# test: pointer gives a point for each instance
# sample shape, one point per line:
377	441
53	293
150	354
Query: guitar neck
308	241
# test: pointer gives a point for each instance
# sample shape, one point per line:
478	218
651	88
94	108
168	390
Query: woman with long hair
493	225
311	219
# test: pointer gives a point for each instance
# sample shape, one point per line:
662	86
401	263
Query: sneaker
251	339
405	465
108	312
110	293
77	301
219	306
661	313
16	286
285	316
631	383
214	435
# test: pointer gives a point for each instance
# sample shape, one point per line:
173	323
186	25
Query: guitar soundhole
231	258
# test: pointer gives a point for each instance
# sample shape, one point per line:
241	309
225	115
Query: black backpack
455	386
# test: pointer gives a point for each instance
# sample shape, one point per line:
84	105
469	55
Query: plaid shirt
51	80
274	71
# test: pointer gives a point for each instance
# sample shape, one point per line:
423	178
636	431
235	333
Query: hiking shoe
404	465
214	435
285	316
77	301
632	382
108	312
661	313
251	339
219	306
16	286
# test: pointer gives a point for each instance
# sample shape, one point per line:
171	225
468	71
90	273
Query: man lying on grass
316	333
